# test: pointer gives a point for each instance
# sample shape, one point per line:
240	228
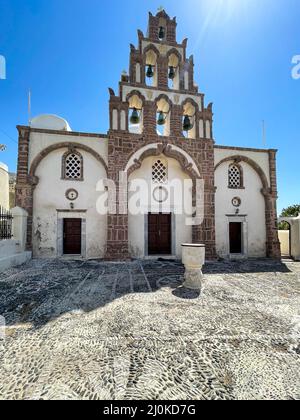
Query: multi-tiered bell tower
159	104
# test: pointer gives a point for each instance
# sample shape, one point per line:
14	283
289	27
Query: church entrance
72	237
235	237
159	234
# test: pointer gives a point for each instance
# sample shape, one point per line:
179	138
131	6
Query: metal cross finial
2	147
161	9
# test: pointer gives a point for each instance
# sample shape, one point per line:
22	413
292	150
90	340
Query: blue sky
69	52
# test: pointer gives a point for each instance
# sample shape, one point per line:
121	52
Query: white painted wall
4	186
137	223
253	208
41	140
49	196
284	239
295	235
261	157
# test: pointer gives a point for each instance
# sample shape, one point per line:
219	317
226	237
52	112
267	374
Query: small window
235	176
73	166
159	172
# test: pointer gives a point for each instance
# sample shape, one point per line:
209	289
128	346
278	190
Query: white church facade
161	133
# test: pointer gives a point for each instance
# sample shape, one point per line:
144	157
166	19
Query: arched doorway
285	239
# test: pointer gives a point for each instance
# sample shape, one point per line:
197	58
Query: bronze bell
135	117
162	33
161	119
187	124
172	73
150	71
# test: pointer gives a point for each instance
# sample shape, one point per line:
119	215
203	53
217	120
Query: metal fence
5	224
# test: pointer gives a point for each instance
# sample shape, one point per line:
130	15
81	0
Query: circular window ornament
160	194
236	202
72	194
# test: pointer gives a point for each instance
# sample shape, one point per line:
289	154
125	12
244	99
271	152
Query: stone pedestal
193	258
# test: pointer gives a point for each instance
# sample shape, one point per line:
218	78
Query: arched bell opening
189	121
173	72
163	118
135	115
151	77
162	30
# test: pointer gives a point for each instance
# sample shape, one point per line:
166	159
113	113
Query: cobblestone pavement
93	330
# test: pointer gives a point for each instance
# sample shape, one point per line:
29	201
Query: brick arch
58	146
135	93
191	101
153	48
238	159
168	151
175	52
166	98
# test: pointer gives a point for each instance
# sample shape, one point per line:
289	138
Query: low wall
12	252
4	186
284	239
294	223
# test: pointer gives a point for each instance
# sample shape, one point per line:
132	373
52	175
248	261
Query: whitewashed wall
137	233
284	239
40	141
4	186
50	201
252	210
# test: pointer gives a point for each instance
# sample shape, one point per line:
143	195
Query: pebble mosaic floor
93	330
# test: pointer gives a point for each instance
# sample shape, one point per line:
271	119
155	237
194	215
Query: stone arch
166	98
237	159
168	151
191	101
175	52
38	159
153	48
136	93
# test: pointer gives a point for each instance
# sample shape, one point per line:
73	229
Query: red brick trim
135	93
61	133
166	98
175	52
193	102
151	47
244	149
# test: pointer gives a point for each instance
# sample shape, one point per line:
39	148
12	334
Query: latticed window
73	166
159	172
235	176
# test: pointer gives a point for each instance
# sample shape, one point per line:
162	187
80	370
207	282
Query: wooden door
72	236
235	237
159	234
